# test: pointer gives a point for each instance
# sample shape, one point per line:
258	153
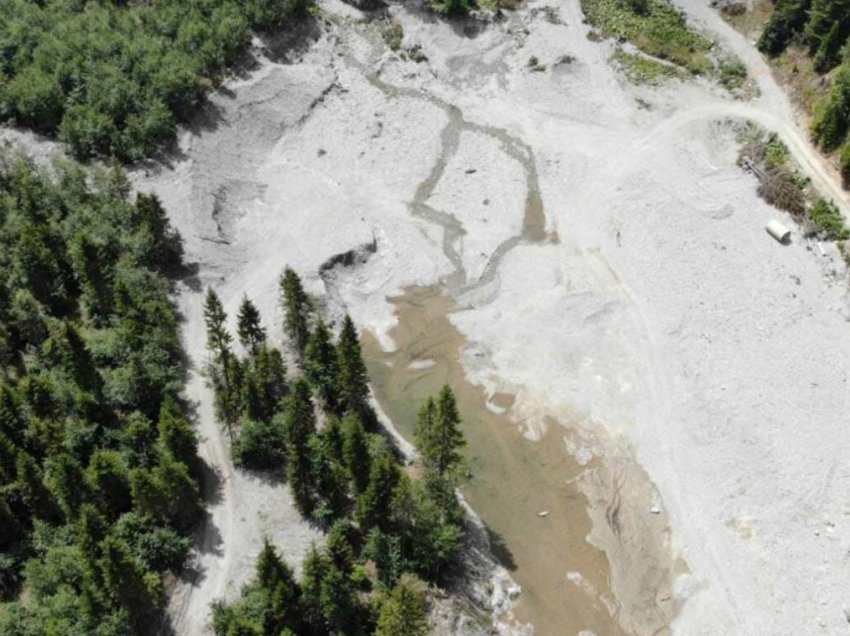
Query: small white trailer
779	231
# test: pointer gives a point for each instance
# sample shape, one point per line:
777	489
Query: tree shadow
267	477
189	275
499	549
211	483
288	45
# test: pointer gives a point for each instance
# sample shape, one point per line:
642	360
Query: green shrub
826	217
261	445
655	27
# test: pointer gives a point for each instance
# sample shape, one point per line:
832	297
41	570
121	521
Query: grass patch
644	70
732	74
654	27
797	75
751	22
393	34
776	153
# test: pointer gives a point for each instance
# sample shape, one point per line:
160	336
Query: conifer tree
314	570
176	435
164	249
284	595
126	581
447	437
355	451
330	479
438	435
270	377
91	529
296	307
299	427
225	364
404	611
373	506
107	478
218	338
321	366
65	480
250	331
353	377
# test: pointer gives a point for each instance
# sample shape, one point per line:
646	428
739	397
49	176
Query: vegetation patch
114	78
98	464
653	26
732	74
827	219
645	70
782	184
393	34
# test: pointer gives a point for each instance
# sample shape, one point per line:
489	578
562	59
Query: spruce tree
438	435
447	437
224	363
250	331
176	435
373	506
423	433
218	338
314	570
353	377
296	307
404	612
299	426
283	593
355	451
321	366
330	479
270	376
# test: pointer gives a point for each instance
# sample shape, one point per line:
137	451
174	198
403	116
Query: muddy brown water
512	480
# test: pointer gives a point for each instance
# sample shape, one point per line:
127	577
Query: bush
826	217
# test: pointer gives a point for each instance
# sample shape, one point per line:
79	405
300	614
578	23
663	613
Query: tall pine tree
299	426
296	308
353	378
321	366
250	331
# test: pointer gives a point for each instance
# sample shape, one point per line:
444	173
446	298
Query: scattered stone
730	7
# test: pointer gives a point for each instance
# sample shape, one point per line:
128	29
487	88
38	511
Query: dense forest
114	78
823	27
98	465
390	529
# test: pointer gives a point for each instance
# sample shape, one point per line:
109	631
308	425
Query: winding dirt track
212	569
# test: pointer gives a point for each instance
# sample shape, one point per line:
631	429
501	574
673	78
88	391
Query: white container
778	231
